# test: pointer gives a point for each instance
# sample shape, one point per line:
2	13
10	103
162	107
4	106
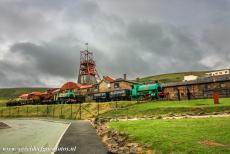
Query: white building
217	73
190	77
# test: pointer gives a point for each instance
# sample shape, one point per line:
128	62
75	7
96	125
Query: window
116	85
206	86
222	85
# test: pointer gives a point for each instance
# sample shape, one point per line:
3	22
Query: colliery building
109	84
202	87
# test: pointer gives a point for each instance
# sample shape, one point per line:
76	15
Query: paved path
81	135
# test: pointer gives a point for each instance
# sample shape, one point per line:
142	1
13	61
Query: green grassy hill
8	93
171	77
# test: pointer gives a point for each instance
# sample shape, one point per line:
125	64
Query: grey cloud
52	59
216	40
18	76
152	38
155	48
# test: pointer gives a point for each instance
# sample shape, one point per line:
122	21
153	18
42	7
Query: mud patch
212	143
3	125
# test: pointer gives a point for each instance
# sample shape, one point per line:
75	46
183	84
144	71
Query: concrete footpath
81	135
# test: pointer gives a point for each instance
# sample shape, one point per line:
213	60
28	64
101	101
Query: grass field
182	136
3	102
175	107
8	93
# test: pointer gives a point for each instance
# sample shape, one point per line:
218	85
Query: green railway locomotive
69	97
146	91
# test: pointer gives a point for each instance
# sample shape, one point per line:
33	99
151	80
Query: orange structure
216	97
24	96
87	72
70	86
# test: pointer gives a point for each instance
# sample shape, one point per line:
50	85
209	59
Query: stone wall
201	90
116	142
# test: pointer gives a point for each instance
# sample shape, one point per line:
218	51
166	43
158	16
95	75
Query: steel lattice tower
87	71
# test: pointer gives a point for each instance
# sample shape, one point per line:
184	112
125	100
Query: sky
41	40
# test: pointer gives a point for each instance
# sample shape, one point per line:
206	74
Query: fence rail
64	111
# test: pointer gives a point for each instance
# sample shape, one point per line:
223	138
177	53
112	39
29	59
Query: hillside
8	93
171	77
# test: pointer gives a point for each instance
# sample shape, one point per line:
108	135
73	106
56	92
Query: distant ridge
173	77
8	93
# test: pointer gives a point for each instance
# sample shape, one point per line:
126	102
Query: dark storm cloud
41	40
216	39
52	59
18	75
153	48
32	62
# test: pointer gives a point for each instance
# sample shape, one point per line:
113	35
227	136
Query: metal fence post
98	108
18	111
37	109
127	113
27	110
9	112
71	111
116	110
47	110
80	111
61	110
53	110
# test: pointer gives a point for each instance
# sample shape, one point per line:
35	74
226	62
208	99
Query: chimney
125	76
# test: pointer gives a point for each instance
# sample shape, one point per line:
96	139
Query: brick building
110	84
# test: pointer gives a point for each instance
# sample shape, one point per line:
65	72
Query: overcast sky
40	40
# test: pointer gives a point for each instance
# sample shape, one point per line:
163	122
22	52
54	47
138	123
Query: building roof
73	85
86	86
123	80
55	91
36	93
24	96
108	78
70	86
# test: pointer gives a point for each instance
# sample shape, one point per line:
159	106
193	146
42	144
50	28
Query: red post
215	96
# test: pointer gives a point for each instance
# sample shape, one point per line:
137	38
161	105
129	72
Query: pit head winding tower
87	71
